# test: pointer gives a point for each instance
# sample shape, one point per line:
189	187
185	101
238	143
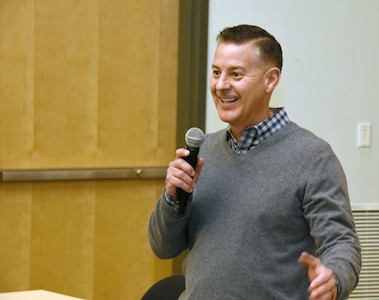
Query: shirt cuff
338	285
169	200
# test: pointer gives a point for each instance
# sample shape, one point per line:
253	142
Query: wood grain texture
89	83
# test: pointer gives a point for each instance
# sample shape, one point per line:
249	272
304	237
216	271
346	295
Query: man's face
239	86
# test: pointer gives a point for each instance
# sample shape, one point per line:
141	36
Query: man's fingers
322	282
311	263
308	260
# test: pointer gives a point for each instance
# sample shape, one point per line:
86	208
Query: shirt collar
254	135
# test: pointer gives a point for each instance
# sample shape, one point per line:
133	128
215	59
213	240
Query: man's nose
223	82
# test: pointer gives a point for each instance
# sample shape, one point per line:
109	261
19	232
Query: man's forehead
237	55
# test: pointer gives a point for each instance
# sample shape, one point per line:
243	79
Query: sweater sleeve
167	231
327	209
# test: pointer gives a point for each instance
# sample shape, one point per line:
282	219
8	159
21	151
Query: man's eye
237	75
216	73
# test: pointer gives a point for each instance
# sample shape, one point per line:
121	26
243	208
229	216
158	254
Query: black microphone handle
182	196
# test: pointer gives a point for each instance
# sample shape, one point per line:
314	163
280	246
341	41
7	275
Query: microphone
194	138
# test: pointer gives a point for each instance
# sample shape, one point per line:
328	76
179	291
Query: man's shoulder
303	138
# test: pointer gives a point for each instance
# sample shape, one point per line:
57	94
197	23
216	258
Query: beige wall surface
84	83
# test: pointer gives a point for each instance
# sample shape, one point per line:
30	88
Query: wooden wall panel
62	243
123	257
65	83
16	109
135	66
84	83
16	83
15	228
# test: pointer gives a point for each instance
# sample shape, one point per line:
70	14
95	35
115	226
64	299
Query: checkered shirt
252	136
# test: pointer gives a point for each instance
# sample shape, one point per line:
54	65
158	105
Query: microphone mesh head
194	137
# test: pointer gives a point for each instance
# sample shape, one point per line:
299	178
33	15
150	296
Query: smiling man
269	216
242	85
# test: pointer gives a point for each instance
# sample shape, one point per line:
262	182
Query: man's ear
272	79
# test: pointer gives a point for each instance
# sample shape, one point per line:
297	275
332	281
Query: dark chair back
168	288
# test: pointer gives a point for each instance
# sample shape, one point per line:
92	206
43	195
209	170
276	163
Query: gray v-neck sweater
251	216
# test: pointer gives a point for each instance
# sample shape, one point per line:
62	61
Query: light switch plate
363	135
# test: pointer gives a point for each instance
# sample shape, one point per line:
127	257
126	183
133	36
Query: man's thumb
308	261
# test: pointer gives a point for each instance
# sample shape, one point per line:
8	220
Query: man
270	216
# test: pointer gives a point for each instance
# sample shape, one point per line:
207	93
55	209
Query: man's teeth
226	100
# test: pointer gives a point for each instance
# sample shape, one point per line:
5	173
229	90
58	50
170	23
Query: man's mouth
228	100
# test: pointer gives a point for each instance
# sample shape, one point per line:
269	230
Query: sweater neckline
259	147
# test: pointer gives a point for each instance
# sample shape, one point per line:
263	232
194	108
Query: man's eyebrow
238	68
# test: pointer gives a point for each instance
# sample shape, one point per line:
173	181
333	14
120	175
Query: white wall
330	76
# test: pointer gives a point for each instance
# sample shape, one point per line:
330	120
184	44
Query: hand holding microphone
194	138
